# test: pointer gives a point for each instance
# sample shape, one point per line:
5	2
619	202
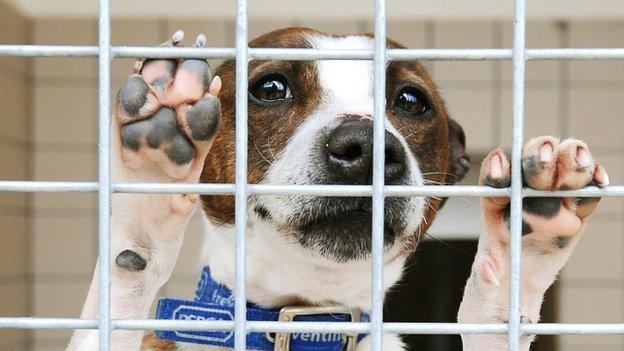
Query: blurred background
48	131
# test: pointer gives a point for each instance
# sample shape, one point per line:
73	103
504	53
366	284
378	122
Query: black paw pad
497	182
160	131
179	150
203	119
561	242
532	166
547	207
130	261
526	227
133	94
163	127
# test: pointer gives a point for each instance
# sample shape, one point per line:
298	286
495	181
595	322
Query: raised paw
548	223
168	113
551	227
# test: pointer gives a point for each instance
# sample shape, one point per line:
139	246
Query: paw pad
168	112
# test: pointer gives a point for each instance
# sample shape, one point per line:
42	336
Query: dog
312	123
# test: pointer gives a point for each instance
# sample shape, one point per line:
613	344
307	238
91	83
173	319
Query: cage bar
515	226
475	54
104	172
378	195
309	190
316	327
242	61
104	52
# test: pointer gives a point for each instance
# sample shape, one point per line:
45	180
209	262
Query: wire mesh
519	55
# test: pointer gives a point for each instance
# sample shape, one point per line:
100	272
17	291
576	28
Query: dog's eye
271	88
412	101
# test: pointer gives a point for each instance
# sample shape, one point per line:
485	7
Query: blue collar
214	301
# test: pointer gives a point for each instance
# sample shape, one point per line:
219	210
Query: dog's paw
168	113
550	225
547	164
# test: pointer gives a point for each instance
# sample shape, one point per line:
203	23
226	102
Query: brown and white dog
311	123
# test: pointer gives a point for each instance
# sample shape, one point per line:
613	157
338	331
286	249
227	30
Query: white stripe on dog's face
346	89
346	85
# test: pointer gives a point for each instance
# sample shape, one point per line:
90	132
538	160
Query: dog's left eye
412	101
271	88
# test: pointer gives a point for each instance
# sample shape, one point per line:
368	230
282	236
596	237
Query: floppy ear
460	162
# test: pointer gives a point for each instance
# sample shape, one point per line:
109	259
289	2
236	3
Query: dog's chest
280	273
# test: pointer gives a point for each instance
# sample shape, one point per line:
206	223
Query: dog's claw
200	42
177	37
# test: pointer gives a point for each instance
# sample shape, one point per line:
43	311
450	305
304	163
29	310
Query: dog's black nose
349	150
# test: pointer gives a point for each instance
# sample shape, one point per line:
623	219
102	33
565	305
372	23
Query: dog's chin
344	237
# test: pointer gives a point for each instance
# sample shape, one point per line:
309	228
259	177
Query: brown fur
152	343
269	127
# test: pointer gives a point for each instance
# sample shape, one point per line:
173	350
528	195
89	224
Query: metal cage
519	55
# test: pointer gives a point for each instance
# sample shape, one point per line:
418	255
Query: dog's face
310	122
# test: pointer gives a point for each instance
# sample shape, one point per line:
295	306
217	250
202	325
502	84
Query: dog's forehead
347	82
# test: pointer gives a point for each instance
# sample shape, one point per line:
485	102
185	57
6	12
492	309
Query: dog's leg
551	228
391	342
165	120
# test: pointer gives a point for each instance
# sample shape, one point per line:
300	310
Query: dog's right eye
271	88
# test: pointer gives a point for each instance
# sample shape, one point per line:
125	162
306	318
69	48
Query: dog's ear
460	162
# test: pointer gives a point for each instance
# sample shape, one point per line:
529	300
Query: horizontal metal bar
49	51
305	190
393	54
447	54
575	54
47	186
47	323
313	327
161	324
569	329
309	54
170	52
174	188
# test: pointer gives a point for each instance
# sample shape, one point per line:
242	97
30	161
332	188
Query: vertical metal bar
564	81
378	176
497	86
242	61
519	61
104	192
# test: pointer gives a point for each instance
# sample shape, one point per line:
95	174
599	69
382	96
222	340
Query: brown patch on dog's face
270	125
437	141
434	140
426	135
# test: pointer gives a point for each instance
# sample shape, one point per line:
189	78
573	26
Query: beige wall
14	165
584	99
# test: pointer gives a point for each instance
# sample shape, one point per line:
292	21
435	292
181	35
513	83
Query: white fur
485	302
151	225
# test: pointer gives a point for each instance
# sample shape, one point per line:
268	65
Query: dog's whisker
261	154
405	126
411	134
271	150
466	200
451	246
429	181
438	173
